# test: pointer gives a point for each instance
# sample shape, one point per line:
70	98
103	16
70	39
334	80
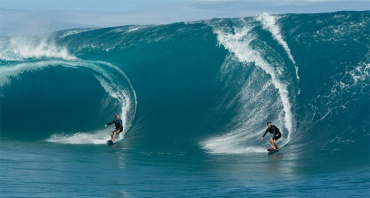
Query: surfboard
110	142
272	150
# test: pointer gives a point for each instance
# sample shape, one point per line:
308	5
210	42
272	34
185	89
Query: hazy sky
38	16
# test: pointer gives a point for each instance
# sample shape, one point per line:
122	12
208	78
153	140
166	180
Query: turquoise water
194	98
51	170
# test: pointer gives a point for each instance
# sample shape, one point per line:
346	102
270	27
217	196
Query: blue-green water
194	98
49	170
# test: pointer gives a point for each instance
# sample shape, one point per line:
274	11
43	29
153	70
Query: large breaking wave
207	84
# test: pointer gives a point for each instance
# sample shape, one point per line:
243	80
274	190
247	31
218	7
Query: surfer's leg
273	143
275	139
114	135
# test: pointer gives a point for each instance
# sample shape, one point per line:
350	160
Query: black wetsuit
274	130
118	124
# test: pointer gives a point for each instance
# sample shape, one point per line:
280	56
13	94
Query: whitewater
194	98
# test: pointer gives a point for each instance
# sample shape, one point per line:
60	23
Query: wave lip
20	48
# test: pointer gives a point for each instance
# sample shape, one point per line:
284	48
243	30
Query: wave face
207	84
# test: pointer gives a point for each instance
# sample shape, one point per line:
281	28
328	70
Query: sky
20	17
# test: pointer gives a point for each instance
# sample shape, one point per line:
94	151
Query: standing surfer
119	128
276	135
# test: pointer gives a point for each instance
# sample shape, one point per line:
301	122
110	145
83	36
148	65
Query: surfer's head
117	117
268	124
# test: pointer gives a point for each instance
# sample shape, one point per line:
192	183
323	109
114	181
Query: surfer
119	128
276	134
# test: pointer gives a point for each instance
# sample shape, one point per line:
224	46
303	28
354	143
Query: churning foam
20	48
83	138
239	42
269	23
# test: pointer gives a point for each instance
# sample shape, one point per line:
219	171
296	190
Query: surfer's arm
109	123
265	133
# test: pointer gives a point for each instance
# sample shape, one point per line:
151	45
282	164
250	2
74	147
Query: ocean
194	98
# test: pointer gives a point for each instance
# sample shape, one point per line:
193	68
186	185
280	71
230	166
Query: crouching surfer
276	135
119	128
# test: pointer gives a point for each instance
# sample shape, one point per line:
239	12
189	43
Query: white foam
360	73
19	48
269	23
76	31
79	138
234	142
83	138
231	149
135	28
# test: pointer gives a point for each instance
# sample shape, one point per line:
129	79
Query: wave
46	55
210	84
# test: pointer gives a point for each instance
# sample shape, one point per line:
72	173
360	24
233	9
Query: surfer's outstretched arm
109	123
264	134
